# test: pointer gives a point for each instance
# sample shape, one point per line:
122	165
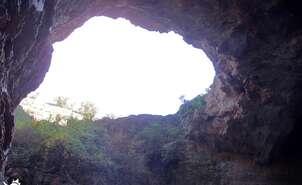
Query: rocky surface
135	150
253	108
104	152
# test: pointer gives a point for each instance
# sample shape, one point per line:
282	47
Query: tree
88	110
182	99
61	101
110	116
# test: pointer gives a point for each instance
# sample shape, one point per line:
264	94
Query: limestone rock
254	104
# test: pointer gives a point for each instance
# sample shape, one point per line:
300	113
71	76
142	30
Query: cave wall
254	46
25	53
253	107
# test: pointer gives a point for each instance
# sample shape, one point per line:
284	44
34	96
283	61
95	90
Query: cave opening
123	69
256	51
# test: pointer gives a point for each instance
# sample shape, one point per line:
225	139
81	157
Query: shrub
88	110
189	107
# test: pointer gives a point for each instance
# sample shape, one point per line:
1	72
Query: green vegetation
114	147
61	101
189	107
88	110
134	150
21	115
98	140
77	138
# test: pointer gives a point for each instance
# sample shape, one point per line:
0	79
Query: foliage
88	110
21	115
81	136
61	101
182	99
113	147
78	138
189	107
157	134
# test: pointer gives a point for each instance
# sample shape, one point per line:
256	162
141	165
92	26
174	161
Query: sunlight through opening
124	69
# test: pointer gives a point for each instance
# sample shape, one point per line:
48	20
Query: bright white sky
126	69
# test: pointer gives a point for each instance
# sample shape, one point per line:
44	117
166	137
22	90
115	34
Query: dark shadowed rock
253	108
